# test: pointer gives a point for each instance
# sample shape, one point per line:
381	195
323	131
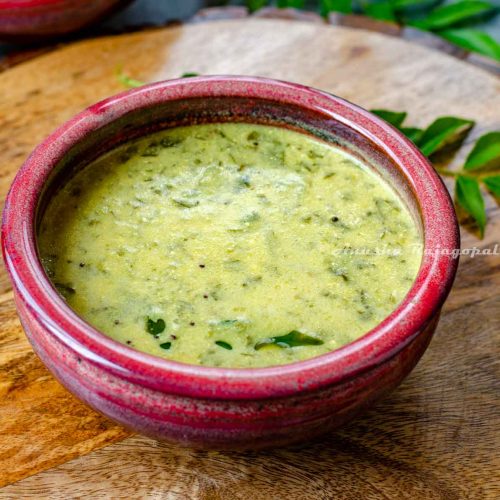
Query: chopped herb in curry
230	245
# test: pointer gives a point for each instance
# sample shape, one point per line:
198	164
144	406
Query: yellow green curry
230	245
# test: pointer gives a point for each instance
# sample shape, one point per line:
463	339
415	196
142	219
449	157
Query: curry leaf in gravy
291	339
224	345
155	327
181	269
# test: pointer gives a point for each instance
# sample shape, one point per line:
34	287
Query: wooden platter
436	437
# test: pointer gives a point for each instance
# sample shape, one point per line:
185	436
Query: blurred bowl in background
32	20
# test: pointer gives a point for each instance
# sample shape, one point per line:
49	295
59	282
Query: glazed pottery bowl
219	407
30	20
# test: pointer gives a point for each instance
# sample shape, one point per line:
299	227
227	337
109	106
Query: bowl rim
421	304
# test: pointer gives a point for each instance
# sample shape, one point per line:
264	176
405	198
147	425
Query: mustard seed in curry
230	245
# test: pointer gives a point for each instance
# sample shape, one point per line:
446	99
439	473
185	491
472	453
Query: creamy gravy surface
230	245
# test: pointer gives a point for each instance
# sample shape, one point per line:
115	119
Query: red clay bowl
29	20
216	407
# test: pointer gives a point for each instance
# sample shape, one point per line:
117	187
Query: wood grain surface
434	437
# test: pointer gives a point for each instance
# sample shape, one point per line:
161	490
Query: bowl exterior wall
219	424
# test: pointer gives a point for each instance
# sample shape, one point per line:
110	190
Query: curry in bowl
230	244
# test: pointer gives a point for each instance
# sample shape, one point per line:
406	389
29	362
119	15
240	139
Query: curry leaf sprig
444	132
481	166
454	22
291	339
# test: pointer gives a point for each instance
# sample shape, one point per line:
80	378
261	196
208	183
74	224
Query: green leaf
474	40
383	11
442	132
395	118
493	184
291	339
296	4
413	133
254	5
449	15
486	152
342	6
155	327
417	4
166	345
469	197
126	80
224	345
189	75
